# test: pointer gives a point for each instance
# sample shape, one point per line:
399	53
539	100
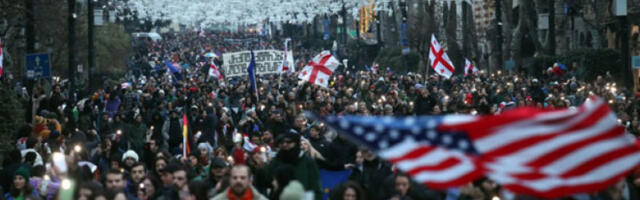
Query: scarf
248	195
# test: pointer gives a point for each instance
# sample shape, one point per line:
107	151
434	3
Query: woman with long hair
20	188
349	190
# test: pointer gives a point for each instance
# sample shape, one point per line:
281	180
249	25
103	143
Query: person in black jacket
424	103
371	173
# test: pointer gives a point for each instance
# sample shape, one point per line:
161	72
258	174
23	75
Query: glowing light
263	149
66	184
46	177
495	198
57	156
119	132
77	148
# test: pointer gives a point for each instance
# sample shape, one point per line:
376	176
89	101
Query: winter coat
306	171
256	195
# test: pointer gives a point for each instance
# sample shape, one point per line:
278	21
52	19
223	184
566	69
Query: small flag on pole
469	68
186	148
251	70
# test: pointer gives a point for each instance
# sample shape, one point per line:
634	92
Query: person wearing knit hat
306	169
129	158
20	188
293	191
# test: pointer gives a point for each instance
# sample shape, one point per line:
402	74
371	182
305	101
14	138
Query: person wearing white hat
129	158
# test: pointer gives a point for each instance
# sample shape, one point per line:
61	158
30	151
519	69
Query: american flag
414	145
544	153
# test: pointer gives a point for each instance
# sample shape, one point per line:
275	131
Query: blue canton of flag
415	145
379	133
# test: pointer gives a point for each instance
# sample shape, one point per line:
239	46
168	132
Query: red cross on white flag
469	67
440	62
319	69
284	66
214	72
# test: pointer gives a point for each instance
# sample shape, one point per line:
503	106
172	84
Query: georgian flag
214	72
284	67
319	69
469	67
440	62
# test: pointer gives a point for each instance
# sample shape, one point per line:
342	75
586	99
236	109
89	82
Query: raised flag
554	153
251	69
214	72
440	62
559	69
283	66
331	179
414	145
469	68
374	68
186	148
173	67
319	69
1	59
543	153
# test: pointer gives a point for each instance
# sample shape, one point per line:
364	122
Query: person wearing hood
306	170
136	134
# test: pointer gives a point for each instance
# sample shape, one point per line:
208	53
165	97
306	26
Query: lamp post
499	33
90	47
71	20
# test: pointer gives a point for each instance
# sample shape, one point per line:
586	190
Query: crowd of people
126	141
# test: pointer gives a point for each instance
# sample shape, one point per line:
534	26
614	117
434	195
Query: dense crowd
126	141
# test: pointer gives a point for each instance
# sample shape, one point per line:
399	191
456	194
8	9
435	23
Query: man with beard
240	186
306	170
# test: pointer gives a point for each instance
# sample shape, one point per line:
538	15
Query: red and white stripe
555	153
437	167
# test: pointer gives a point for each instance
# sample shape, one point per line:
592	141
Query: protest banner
267	62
